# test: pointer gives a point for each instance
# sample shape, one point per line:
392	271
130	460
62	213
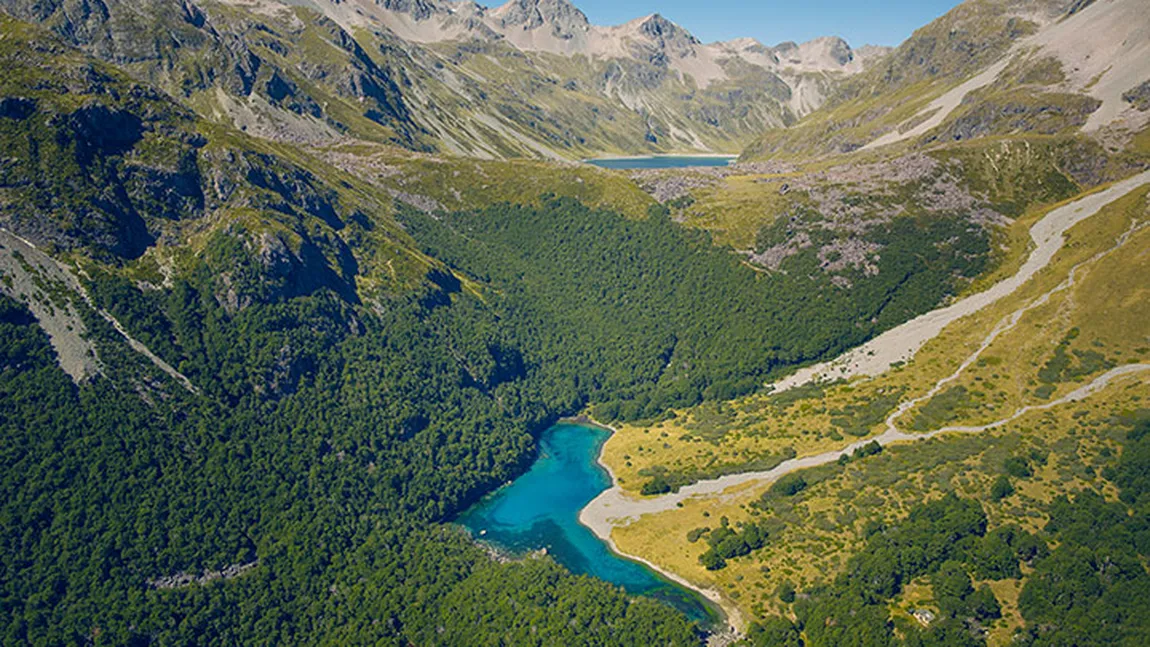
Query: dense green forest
328	438
648	315
104	493
361	370
351	394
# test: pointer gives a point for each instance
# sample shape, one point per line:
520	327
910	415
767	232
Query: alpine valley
299	299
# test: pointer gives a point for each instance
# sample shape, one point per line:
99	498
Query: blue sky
879	22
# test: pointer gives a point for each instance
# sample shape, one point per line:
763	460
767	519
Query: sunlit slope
989	68
1014	381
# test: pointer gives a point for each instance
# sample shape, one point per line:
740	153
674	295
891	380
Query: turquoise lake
661	161
541	510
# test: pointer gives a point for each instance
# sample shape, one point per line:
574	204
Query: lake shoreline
538	514
613	507
661	162
601	527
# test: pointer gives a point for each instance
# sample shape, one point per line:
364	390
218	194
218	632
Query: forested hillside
259	345
323	441
325	384
644	315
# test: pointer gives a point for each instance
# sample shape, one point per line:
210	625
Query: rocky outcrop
1138	96
184	580
417	9
100	170
829	51
1022	113
562	18
667	37
109	167
287	245
192	50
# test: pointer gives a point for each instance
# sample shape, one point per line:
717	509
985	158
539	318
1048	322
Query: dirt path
900	344
614	507
1005	324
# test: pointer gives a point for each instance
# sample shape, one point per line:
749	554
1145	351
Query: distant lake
541	510
661	161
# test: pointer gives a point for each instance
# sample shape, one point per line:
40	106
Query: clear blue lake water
541	510
661	161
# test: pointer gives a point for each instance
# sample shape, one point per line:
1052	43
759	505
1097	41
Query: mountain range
287	286
524	79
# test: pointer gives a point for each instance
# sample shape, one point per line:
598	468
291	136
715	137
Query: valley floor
1079	250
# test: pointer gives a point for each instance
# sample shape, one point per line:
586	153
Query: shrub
789	485
1001	489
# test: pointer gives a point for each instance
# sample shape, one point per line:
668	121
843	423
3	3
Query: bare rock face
229	53
79	180
563	18
1138	96
1077	6
417	9
183	580
667	37
833	50
829	52
25	271
272	70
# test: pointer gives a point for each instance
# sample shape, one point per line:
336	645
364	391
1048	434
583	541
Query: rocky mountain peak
561	15
657	27
826	52
745	43
417	9
666	37
832	47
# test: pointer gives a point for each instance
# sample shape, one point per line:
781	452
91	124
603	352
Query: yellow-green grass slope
759	430
1105	311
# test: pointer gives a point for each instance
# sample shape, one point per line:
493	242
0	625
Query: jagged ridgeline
994	68
279	388
257	434
272	310
532	78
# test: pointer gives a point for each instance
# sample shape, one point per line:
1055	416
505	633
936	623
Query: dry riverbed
615	508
